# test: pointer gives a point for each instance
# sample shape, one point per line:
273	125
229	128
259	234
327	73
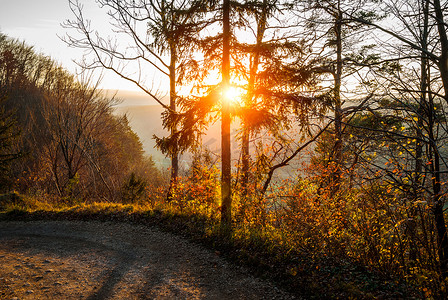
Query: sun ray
234	95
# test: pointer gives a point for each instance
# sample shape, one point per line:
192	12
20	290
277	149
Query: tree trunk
226	200
438	201
443	59
418	169
338	105
439	217
173	129
245	162
253	68
441	236
437	197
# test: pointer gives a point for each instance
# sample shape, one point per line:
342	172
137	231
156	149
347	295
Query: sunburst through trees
331	115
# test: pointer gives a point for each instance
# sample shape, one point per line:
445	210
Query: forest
347	95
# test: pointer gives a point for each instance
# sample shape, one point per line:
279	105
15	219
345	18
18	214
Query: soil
98	260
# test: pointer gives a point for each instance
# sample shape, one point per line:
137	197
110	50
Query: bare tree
74	113
420	42
338	49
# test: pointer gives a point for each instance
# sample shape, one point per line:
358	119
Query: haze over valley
145	118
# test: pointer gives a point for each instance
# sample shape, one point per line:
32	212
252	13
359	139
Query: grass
301	272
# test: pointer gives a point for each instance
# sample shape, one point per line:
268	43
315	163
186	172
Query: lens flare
234	95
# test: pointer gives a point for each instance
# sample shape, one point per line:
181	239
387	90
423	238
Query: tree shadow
63	247
113	278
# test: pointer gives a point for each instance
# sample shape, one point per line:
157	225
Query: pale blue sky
38	23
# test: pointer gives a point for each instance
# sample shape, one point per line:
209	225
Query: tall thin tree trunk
338	104
443	59
226	200
423	98
245	162
173	130
438	212
418	169
438	200
253	68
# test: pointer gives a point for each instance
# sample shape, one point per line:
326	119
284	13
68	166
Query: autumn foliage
338	166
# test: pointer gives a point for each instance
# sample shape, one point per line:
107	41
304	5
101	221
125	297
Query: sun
234	95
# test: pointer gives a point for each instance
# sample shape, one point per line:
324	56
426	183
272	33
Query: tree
419	47
339	47
197	109
74	115
277	74
73	145
160	35
271	73
259	57
226	192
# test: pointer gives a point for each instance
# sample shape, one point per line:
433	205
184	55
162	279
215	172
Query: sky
38	23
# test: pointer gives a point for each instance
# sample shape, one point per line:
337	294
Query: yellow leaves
388	162
293	271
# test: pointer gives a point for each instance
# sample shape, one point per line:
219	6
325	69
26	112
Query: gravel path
95	260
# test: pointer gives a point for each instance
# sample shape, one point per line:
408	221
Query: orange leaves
197	193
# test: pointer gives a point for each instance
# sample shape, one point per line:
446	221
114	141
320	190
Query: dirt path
94	260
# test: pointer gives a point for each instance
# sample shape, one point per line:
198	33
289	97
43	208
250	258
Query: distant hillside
145	118
146	121
134	98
